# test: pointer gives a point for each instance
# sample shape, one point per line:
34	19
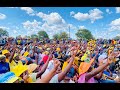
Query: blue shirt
71	73
4	67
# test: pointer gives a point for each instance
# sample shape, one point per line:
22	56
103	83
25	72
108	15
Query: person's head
16	57
2	58
6	53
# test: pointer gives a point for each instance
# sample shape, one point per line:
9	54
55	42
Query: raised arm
49	75
66	70
44	67
12	55
99	69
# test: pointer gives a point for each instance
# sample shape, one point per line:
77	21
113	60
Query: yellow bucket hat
4	52
19	69
32	67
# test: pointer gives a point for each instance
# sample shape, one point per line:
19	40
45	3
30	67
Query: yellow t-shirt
76	62
18	41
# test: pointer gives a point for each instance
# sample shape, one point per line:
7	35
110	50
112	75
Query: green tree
84	34
42	35
3	32
34	36
27	36
63	35
117	37
56	36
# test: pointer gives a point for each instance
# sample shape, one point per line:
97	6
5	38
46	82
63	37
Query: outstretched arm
44	67
50	74
63	73
12	55
98	70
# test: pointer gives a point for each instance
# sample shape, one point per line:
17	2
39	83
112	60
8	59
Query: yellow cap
5	52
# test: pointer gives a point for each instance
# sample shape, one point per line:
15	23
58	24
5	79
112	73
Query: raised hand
110	59
56	64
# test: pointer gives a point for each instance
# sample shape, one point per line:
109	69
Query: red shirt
45	58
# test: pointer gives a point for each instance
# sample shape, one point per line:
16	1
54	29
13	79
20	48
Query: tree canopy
42	35
34	36
62	35
84	34
117	37
3	32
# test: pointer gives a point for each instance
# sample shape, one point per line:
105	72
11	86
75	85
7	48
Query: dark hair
65	57
29	62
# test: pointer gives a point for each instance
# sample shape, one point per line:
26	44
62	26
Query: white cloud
28	10
93	15
117	9
82	27
52	18
5	28
15	31
81	16
115	25
2	16
72	13
108	11
52	23
32	27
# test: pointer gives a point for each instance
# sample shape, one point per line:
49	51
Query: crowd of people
65	61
